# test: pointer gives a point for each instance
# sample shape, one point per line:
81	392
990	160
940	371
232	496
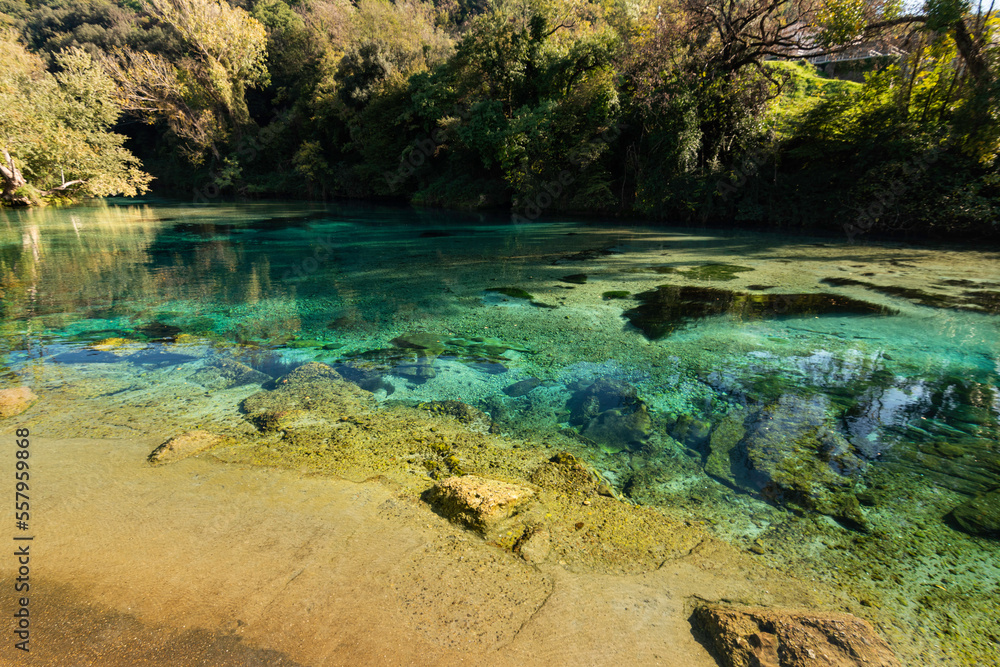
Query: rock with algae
477	502
15	401
413	355
790	452
312	388
980	515
669	307
227	373
755	637
522	388
610	412
474	418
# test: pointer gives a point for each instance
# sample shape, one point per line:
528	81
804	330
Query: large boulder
15	401
753	637
980	515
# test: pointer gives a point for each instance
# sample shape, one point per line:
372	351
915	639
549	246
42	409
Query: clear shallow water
825	404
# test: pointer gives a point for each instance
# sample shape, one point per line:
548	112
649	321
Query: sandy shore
203	563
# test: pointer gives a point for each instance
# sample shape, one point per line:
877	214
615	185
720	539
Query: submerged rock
692	431
522	388
228	373
669	307
753	637
156	356
791	453
616	430
513	292
367	378
610	413
797	456
15	401
980	515
534	545
87	356
724	442
477	502
981	300
414	355
183	446
158	331
312	389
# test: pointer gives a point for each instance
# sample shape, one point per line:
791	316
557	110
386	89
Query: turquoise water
826	405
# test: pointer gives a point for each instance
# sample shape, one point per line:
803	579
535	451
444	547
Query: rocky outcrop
183	446
752	637
15	401
477	502
980	515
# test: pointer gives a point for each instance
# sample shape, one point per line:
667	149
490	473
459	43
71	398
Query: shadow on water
669	307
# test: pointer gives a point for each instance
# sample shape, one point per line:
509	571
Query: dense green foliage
55	133
671	110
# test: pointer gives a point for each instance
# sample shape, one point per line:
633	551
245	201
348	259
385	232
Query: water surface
824	405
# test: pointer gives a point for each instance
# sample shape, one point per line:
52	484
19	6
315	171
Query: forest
870	116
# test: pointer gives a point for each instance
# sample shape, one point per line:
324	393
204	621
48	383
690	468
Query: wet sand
203	563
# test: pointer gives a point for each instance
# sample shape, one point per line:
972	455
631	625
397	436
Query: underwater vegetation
663	310
708	272
979	300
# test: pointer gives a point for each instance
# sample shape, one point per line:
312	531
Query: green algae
575	279
715	272
615	294
512	292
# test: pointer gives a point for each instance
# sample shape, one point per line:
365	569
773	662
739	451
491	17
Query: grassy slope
804	88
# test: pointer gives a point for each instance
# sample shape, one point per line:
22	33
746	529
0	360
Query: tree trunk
970	46
12	180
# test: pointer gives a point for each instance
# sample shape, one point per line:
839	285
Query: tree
55	135
203	96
